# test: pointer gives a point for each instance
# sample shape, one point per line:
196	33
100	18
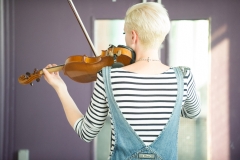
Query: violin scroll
28	78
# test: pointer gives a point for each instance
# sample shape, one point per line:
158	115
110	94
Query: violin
82	68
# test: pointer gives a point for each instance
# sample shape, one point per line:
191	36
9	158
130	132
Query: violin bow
82	26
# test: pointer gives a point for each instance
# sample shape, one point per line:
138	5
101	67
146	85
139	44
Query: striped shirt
146	102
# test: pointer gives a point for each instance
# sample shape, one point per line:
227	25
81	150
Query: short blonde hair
151	22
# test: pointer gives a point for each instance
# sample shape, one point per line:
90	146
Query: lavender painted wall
47	32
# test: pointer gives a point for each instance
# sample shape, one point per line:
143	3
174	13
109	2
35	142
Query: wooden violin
82	68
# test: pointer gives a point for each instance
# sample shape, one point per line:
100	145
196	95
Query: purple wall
47	32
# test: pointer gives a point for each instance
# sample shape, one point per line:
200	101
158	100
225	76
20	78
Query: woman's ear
134	37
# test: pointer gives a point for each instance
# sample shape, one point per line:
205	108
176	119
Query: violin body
84	69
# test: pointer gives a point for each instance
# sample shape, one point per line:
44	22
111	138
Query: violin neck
53	69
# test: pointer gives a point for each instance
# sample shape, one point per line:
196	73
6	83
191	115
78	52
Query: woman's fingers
52	65
53	78
46	74
48	66
56	73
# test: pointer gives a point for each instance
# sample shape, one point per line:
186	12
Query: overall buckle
146	156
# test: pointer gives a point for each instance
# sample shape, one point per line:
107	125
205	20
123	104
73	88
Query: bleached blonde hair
150	21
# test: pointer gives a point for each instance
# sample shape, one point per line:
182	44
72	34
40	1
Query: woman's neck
147	53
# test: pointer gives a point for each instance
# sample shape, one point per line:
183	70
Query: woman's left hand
53	78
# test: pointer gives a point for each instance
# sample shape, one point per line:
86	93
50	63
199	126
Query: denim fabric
128	145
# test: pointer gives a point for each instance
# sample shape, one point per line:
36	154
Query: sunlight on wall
219	118
218	33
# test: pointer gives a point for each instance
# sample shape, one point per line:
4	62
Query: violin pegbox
115	53
28	78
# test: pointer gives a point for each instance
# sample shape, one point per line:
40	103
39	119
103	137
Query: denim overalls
128	145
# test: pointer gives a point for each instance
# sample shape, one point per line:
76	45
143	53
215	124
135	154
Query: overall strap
127	141
166	143
184	69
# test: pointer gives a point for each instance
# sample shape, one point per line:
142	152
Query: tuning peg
38	79
28	74
35	70
119	53
31	84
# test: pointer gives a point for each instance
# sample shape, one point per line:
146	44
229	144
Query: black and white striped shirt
146	101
